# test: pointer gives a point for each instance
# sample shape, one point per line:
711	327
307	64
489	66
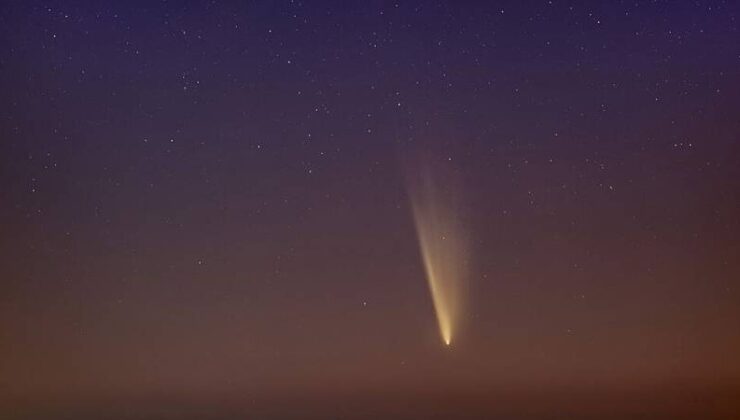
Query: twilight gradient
204	209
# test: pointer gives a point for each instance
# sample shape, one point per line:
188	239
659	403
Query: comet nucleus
442	239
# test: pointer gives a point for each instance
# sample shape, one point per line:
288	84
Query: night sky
206	209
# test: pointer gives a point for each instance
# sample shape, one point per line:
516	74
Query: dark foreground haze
205	209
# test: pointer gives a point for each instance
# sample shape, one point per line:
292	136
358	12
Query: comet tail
442	242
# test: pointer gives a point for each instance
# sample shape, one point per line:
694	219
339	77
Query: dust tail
434	193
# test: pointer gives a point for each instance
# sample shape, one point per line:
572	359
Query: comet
442	242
